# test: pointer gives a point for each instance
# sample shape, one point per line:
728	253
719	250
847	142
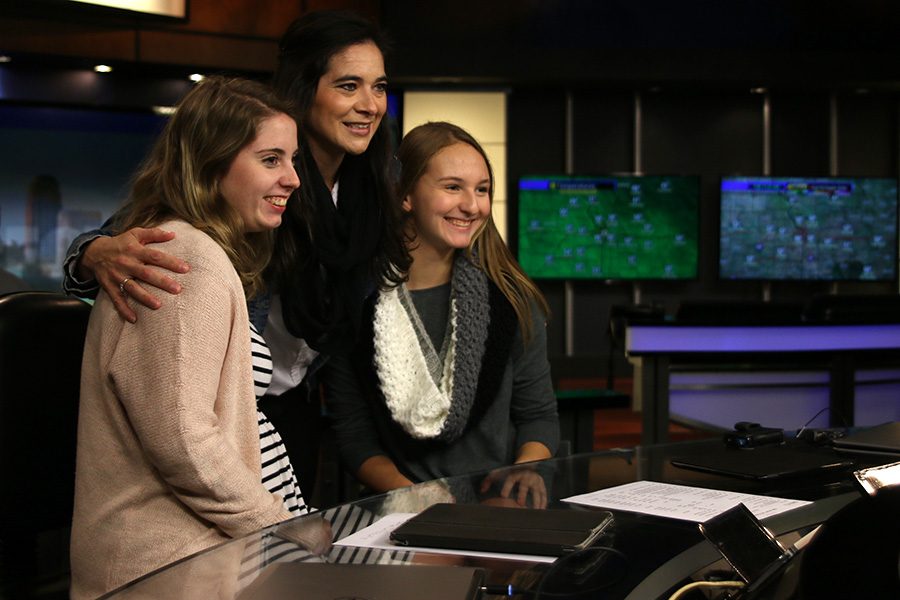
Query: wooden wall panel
224	34
200	50
369	8
66	39
242	17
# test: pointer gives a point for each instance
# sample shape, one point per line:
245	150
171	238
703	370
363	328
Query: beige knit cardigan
168	456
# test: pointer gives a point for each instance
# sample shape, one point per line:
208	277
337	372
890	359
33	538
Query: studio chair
41	344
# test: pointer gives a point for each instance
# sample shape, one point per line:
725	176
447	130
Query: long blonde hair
180	176
486	248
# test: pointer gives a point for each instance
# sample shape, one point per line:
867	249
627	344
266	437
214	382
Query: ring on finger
122	286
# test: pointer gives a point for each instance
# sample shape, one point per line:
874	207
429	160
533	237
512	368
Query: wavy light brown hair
487	249
180	176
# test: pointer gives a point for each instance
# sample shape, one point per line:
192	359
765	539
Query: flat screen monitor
65	171
808	228
621	227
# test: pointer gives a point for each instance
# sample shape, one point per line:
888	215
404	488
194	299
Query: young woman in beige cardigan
169	458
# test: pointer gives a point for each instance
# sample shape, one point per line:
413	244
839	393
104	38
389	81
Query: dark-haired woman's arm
99	259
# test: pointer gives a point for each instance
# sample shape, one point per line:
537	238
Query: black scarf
323	302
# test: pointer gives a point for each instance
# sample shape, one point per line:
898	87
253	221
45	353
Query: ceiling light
103	68
197	77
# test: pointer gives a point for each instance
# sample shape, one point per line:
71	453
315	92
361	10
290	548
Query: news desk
839	349
659	555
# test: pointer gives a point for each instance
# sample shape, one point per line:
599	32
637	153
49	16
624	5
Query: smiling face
450	201
350	101
261	177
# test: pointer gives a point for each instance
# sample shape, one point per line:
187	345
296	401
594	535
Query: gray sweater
522	410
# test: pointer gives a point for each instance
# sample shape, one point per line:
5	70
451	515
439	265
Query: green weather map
815	229
621	227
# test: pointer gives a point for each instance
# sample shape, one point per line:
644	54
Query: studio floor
621	428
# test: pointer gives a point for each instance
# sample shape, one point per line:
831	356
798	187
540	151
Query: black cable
805	425
799	431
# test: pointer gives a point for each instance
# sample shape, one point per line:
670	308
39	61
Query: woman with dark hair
338	237
173	455
453	376
331	65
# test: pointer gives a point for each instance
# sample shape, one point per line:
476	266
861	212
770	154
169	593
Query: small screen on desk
743	541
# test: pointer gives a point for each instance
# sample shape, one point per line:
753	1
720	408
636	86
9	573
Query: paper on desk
681	501
377	535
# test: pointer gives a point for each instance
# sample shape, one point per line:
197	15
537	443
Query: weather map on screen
610	227
793	228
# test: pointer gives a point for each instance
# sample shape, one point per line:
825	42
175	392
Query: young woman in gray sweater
453	377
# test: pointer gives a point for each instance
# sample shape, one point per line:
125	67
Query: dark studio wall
690	73
708	132
831	71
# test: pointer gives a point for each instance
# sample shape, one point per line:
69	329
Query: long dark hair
320	292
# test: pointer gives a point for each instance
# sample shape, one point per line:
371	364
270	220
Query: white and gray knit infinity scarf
429	393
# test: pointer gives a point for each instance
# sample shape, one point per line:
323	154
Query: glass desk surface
652	556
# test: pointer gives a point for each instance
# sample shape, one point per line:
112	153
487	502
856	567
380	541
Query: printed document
680	501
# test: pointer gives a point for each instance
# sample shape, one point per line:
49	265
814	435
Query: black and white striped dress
277	472
278	477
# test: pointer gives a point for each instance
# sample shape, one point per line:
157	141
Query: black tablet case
321	581
543	532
